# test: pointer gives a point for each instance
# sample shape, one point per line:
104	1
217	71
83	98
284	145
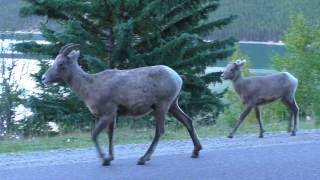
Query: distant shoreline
279	43
36	35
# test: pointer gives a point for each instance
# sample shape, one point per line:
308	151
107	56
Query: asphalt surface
299	160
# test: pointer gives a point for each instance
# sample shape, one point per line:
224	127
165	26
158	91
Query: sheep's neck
79	81
238	84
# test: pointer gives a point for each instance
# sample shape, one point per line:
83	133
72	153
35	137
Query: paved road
297	160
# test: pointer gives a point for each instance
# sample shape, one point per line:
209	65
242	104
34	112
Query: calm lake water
260	54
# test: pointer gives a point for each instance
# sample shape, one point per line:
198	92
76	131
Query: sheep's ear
74	55
240	62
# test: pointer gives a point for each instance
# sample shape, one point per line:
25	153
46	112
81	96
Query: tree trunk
108	39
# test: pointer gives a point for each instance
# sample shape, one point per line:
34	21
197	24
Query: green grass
130	136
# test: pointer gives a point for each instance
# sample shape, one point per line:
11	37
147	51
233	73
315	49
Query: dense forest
256	20
264	20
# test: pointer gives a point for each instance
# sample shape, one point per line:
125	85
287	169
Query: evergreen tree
10	94
133	33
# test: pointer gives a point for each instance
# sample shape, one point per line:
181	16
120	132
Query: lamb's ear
240	62
74	55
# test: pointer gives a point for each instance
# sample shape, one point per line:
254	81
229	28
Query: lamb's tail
293	80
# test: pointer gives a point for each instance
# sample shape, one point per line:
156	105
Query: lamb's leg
290	124
258	116
292	105
286	102
187	122
110	129
295	110
159	115
242	117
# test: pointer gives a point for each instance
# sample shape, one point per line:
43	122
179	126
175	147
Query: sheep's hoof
107	161
293	133
195	154
141	162
230	136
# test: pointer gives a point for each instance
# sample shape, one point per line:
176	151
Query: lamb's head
233	71
61	65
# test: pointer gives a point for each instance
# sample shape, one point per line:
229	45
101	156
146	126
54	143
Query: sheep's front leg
159	119
258	116
103	123
107	161
242	117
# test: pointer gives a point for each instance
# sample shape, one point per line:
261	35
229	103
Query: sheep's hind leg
159	115
258	116
292	105
187	122
242	117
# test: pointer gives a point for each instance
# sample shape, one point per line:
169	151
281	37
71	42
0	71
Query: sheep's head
232	71
59	68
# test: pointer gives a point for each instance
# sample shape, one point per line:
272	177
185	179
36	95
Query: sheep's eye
232	70
60	64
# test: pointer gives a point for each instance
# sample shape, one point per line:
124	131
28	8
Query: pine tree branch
187	19
210	27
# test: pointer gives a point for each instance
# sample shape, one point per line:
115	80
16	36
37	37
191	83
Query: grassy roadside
126	136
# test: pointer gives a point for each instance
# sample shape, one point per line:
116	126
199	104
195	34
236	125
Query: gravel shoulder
172	147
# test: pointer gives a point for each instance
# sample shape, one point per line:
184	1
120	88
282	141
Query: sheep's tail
183	77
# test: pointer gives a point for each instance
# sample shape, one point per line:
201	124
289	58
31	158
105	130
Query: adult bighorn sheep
113	93
258	90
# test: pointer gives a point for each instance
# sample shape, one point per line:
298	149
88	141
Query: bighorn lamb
113	93
258	90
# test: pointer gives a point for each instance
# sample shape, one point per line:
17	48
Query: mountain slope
260	20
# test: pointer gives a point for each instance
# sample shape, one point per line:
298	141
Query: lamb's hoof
141	162
261	136
230	136
293	133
